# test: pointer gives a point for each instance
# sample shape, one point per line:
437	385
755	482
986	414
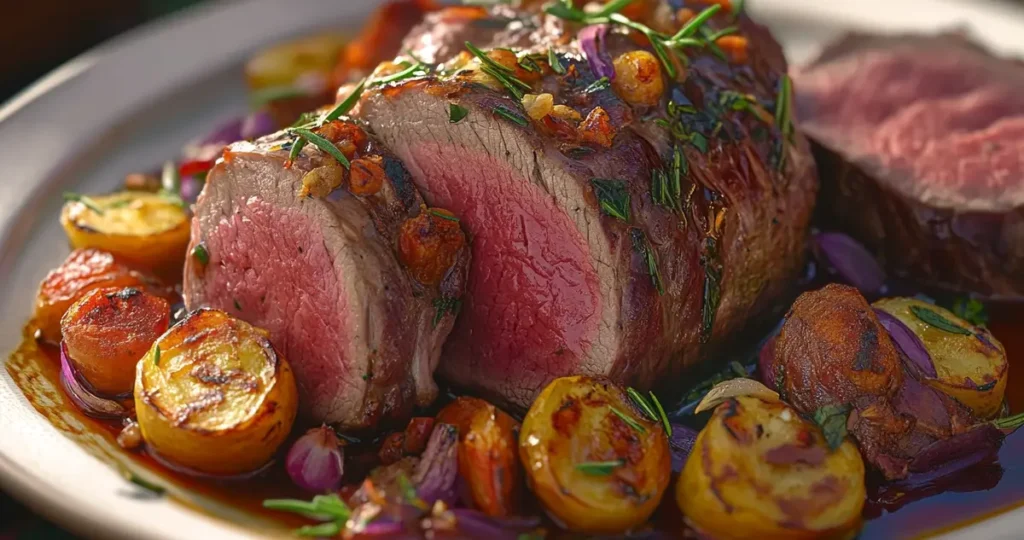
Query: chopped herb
629	421
713	37
322	144
261	97
555	62
503	74
599	468
783	104
322	530
661	414
442	215
832	421
613	197
409	492
700	141
529	64
151	487
970	310
297	145
598	85
938	321
237	305
641	402
695	24
306	118
456	113
1009	423
643	247
345	106
732	371
156	356
509	115
712	288
322	506
445	305
411	70
737	9
200	253
666	187
86	201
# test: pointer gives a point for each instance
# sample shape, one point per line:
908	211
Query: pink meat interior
533	304
269	266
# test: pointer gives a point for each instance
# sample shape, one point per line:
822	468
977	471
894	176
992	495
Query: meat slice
330	275
560	284
919	143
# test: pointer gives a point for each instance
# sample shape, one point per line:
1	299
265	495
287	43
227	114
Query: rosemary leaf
599	468
322	144
629	421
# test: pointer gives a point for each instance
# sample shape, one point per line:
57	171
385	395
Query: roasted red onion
314	461
439	466
592	41
82	395
850	261
257	124
680	443
914	353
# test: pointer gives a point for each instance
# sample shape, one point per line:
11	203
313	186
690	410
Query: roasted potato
488	460
107	331
145	230
282	64
213	395
597	463
970	363
759	470
84	270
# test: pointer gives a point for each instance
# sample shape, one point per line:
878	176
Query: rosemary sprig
555	62
641	402
629	421
598	85
88	202
456	113
263	96
345	105
409	71
322	506
444	305
509	115
323	144
783	103
151	487
661	414
613	197
599	468
156	356
201	254
643	246
442	215
503	74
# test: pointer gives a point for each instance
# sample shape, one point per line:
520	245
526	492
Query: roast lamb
355	278
586	259
918	139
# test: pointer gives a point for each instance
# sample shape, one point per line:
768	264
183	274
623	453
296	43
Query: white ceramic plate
134	101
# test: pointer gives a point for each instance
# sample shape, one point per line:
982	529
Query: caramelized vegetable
638	78
107	331
213	395
970	364
429	243
284	63
84	270
597	463
145	230
759	470
488	462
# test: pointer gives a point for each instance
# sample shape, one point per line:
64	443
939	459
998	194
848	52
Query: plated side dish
555	269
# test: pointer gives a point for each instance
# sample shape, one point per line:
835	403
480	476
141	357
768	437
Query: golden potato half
145	230
597	463
212	395
759	470
283	63
970	363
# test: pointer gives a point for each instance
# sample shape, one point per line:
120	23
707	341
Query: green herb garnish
641	402
1009	423
444	305
156	356
698	140
504	75
509	115
732	371
629	421
613	196
456	113
666	186
598	85
345	105
322	144
263	96
321	507
200	253
322	530
938	321
86	201
661	414
783	104
409	492
970	310
151	487
643	247
442	215
832	421
599	468
555	62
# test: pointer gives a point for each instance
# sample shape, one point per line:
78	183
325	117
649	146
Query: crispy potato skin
572	422
973	369
220	400
758	470
488	459
84	270
144	230
107	331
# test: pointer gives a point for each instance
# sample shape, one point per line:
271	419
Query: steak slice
325	275
559	285
919	141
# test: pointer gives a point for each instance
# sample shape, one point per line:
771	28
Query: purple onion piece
915	355
257	124
83	398
191	186
225	133
314	461
592	41
851	261
681	443
476	524
438	467
958	452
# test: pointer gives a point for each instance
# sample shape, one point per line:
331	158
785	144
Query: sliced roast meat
919	142
355	279
586	256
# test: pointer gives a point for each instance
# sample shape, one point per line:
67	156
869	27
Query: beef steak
580	264
324	273
918	140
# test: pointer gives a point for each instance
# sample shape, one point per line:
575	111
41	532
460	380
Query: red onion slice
314	461
851	261
83	398
439	466
592	41
476	524
914	353
681	443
